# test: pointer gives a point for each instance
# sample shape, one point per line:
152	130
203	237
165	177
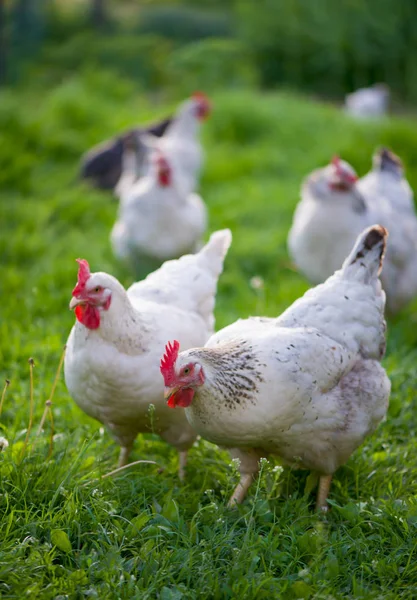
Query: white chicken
158	220
113	351
385	185
331	208
180	144
368	102
389	198
307	386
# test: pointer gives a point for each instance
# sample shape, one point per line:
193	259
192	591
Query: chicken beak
75	302
170	391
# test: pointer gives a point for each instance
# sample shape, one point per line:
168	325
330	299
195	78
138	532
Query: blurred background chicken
386	185
113	351
134	156
368	102
158	218
102	165
390	200
180	143
307	386
327	220
335	204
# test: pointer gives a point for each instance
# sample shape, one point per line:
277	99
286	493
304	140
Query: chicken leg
322	493
183	462
241	490
124	455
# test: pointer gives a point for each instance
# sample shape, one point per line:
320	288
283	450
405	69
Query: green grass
66	534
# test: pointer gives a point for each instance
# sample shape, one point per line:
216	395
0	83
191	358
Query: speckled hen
307	386
113	351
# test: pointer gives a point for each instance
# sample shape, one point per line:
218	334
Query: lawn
66	533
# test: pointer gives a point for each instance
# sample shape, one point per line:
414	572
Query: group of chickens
154	173
307	386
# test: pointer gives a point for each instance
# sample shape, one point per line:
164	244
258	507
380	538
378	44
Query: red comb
168	362
83	276
200	96
342	173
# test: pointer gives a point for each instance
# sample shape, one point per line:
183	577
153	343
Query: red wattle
164	178
182	398
88	315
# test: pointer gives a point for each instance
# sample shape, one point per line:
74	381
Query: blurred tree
3	44
332	47
28	25
99	15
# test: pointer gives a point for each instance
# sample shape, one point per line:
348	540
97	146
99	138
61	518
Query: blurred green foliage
211	64
184	23
320	46
140	57
333	47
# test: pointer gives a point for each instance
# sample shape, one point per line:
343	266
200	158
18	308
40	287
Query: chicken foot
322	493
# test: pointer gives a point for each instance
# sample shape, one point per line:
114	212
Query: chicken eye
98	288
186	370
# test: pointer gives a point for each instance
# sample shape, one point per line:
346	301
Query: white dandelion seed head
257	283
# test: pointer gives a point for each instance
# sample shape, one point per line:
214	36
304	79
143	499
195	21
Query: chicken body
307	386
390	200
368	102
113	351
331	208
157	219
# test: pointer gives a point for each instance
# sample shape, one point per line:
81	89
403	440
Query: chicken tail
211	257
364	263
385	160
216	249
190	283
133	157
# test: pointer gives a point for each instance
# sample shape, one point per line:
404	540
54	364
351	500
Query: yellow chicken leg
183	462
241	490
322	493
124	455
